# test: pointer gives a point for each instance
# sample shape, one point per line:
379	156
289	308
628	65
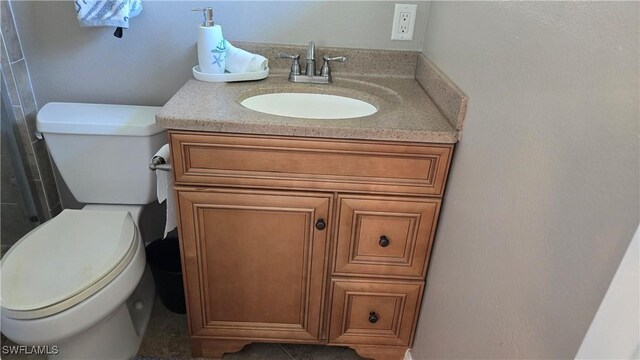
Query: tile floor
167	338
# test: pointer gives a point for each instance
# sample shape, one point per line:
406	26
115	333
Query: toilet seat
78	253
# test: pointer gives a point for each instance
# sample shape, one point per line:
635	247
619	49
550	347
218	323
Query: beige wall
155	56
543	196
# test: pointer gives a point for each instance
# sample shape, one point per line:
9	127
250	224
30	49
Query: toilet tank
103	151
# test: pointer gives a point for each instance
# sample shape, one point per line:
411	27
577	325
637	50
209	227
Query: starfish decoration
217	60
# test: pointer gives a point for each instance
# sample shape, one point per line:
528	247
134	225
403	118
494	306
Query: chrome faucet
310	75
311	59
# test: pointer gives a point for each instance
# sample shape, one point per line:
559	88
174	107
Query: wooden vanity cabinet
299	240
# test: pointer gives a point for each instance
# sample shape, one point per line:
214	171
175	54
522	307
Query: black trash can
163	257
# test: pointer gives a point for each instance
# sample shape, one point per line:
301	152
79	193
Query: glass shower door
18	213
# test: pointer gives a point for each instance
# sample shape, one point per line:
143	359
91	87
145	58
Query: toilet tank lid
98	119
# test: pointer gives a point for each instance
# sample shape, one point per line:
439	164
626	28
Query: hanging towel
107	12
242	61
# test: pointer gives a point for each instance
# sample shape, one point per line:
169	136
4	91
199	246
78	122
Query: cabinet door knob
320	224
373	317
384	241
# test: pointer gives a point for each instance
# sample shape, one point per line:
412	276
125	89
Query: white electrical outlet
404	20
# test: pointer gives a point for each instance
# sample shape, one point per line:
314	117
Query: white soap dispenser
212	52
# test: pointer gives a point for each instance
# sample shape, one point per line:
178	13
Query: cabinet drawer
302	163
384	236
374	312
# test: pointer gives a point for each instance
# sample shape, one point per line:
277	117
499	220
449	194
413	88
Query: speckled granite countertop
405	111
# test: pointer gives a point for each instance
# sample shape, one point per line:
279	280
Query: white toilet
78	284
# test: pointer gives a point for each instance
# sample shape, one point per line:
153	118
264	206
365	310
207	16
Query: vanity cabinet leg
215	348
380	352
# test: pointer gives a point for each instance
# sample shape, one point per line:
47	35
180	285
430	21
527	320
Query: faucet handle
326	70
295	64
287	56
337	58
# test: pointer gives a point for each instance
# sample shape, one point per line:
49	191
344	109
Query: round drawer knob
320	224
373	317
384	241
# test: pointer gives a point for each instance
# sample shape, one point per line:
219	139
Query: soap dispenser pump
212	52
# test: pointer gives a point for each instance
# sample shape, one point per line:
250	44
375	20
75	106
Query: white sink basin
309	106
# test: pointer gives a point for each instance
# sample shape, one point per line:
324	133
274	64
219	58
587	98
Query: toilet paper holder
158	163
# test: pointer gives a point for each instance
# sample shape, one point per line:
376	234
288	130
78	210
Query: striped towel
107	12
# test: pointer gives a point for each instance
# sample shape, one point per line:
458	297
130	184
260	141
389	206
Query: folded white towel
107	12
242	61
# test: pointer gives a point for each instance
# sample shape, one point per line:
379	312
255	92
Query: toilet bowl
50	303
79	283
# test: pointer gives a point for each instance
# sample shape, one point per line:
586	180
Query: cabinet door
254	262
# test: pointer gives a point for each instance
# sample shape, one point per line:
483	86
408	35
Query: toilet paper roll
164	182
